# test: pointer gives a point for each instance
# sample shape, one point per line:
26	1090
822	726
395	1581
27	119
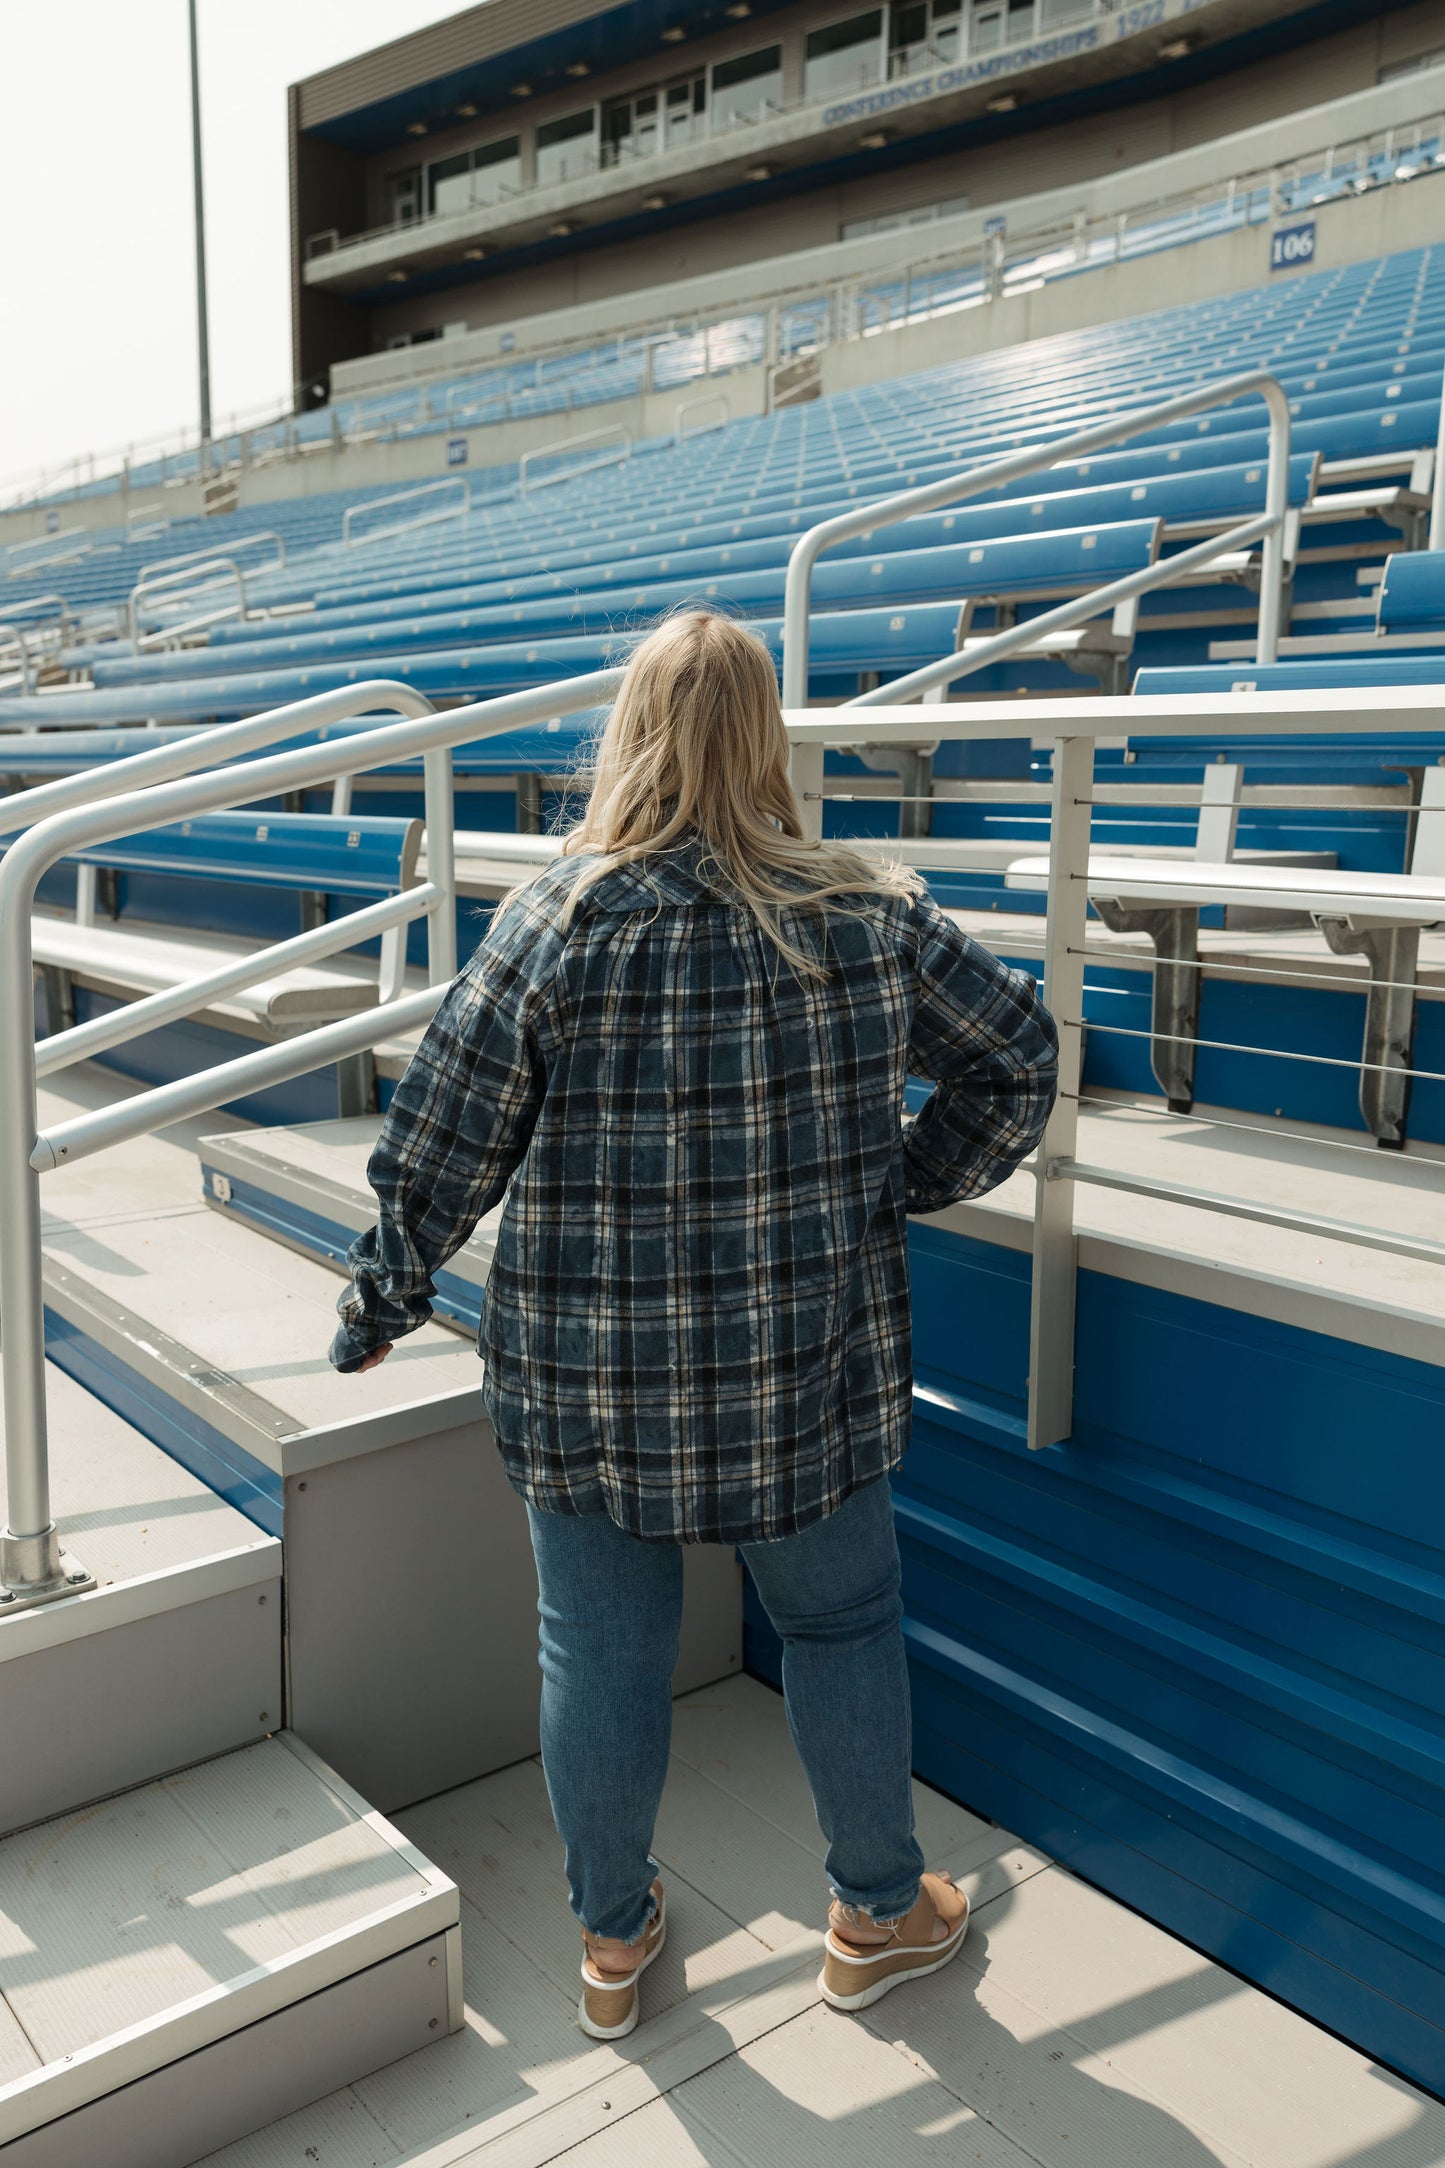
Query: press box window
920	35
480	176
629	128
684	111
449	184
845	56
567	148
405	190
745	88
497	170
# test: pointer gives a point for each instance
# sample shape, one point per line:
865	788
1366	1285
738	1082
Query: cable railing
79	813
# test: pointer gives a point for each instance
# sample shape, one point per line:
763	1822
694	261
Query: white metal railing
81	811
1437	491
241	547
59	548
615	433
185	588
456	486
1072	725
1268	527
715	402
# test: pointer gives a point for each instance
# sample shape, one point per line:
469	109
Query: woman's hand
377	1355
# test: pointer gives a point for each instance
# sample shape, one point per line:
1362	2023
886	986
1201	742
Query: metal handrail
83	539
1073	723
691	406
30	1558
1437	486
402	496
233	549
974	481
568	444
32	1566
82	1042
183	585
16	634
997	647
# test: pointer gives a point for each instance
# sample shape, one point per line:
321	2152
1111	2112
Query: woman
680	1053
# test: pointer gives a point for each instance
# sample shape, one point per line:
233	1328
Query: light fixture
760	173
474	255
875	141
1003	104
740	10
416	127
521	90
561	229
396	278
579	67
674	34
654	203
467	111
1177	48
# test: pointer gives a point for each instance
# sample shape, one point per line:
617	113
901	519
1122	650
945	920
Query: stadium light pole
203	336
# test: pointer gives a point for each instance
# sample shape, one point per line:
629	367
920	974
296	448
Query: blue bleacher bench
364	855
1412	592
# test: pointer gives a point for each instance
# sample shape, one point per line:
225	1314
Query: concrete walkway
1068	2032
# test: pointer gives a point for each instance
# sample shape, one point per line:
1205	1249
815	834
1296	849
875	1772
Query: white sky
97	324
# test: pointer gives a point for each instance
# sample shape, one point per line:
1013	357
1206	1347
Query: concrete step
306	1186
173	1656
197	1956
410	1623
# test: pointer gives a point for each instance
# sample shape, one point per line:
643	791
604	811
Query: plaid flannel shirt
697	1318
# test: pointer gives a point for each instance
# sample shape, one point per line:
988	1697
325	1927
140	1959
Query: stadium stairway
222	1924
1275	1574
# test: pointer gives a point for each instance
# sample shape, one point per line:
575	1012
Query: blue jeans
611	1609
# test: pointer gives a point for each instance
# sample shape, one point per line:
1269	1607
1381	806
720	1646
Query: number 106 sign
1291	245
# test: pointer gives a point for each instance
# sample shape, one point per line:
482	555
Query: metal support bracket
913	766
529	805
59	998
1174	1014
356	1085
1393	954
36	1570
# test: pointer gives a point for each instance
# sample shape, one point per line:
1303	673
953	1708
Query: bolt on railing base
35	1570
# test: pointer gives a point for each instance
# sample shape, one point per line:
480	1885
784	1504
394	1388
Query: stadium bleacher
1264	962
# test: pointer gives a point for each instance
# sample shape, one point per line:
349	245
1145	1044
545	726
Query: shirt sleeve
458	1126
984	1039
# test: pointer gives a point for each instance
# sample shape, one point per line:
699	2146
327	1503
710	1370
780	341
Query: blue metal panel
1412	592
1198	1652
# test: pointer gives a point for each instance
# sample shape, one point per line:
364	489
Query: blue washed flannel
697	1319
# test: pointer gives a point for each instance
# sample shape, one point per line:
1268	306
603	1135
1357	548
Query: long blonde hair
695	749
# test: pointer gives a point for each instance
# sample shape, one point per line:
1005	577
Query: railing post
32	1564
1437	485
1276	506
440	812
1055	1258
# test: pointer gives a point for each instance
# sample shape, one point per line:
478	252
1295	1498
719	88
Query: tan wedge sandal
611	1969
862	1962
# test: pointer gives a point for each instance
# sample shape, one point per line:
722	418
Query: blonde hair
695	749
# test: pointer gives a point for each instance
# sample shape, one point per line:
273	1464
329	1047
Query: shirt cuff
349	1350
